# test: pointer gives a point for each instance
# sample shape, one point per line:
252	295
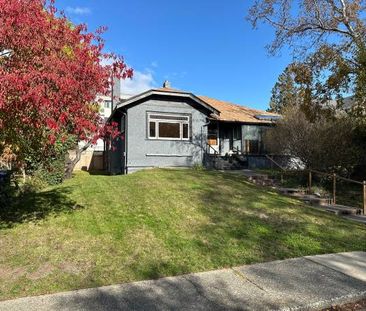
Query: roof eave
243	122
169	93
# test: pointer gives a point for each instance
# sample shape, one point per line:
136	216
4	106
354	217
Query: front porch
227	138
234	145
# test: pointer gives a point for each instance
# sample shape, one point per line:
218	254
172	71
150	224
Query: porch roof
230	112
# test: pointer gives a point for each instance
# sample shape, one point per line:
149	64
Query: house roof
168	92
221	110
236	113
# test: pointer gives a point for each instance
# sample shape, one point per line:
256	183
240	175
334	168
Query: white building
92	158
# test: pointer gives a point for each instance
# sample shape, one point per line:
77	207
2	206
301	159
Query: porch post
334	188
364	197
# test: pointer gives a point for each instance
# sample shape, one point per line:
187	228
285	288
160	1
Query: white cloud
174	75
78	10
140	82
155	64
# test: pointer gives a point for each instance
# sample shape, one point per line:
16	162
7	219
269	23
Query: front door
226	135
213	138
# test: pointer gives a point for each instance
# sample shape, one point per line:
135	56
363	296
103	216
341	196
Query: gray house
172	128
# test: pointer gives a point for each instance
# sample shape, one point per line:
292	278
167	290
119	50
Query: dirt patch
70	267
8	273
42	272
354	306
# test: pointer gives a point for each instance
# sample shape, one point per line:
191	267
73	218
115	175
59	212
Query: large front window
168	126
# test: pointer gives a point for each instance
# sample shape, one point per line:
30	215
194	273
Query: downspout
126	140
202	146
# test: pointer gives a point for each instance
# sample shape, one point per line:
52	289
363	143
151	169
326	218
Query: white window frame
171	115
107	104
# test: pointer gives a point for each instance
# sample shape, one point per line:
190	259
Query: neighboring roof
237	113
345	104
221	110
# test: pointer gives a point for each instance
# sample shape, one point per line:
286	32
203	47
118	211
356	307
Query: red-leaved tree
50	74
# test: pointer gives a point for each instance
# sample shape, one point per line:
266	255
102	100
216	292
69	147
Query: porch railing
334	177
215	152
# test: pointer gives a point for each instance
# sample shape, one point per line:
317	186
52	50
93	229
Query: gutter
126	145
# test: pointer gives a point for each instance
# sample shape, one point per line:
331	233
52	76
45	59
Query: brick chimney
166	84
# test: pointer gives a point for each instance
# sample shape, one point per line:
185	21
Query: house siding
145	153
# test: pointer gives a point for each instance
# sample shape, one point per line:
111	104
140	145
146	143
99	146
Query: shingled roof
236	113
230	112
222	110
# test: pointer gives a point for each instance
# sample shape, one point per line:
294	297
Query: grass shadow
98	173
34	206
264	224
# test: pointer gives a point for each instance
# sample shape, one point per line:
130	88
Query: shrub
50	173
324	144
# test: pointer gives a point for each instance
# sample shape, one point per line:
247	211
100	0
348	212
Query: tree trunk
71	163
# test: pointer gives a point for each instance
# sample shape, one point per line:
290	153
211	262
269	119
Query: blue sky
203	46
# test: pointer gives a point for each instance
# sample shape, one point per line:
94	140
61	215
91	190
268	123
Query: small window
168	126
107	104
152	130
185	130
169	117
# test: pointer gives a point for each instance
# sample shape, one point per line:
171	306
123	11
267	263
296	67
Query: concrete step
307	198
292	191
314	200
258	177
358	218
341	209
264	182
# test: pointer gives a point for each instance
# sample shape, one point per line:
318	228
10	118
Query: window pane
185	130
164	117
152	129
237	132
251	132
212	139
252	146
169	130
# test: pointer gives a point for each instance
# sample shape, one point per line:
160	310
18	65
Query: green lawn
97	230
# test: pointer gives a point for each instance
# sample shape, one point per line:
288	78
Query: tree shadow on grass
265	225
35	206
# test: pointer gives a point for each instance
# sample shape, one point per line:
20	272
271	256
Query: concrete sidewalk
308	283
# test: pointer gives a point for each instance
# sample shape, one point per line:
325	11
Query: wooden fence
334	177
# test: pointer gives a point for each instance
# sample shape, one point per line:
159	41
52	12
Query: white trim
169	155
157	122
160	92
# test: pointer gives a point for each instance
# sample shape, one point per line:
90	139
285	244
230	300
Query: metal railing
237	150
334	177
214	150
